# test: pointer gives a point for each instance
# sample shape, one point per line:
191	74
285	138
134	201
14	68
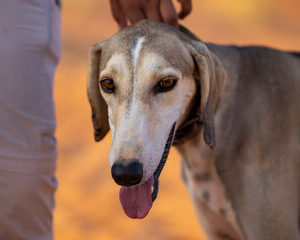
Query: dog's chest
213	207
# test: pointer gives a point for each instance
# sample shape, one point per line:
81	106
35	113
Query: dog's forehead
134	43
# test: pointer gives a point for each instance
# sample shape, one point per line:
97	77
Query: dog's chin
137	200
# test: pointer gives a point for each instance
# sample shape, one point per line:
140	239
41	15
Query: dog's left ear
209	75
98	105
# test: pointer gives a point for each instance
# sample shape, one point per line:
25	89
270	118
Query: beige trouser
29	54
26	205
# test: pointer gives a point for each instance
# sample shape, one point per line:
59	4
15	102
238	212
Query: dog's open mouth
137	200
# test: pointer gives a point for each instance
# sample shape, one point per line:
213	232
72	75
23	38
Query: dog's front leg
213	211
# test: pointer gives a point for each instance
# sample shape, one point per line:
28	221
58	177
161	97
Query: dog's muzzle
137	200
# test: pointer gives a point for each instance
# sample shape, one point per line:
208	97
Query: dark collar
188	129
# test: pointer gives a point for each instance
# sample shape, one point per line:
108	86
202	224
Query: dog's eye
107	85
165	85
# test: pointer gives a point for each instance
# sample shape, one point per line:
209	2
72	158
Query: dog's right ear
98	105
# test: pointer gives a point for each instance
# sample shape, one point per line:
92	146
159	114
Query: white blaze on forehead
136	50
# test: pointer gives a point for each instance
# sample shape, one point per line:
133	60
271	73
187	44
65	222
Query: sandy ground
87	198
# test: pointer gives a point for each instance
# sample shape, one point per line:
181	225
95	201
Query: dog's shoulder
262	86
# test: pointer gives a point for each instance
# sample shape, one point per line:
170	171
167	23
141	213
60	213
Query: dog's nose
127	173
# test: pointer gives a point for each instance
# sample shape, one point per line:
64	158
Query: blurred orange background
87	199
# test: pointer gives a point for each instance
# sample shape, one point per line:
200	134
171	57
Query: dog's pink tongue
136	200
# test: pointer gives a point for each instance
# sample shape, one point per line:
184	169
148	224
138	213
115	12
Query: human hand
158	10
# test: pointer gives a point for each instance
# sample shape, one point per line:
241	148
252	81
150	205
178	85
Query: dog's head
142	86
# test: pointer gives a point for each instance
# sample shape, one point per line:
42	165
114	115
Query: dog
232	112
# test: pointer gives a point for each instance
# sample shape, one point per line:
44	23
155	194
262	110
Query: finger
186	8
132	10
118	13
151	8
168	12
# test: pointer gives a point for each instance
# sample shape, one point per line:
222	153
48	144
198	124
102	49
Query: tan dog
235	115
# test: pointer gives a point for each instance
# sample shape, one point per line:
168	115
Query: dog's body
254	169
241	165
